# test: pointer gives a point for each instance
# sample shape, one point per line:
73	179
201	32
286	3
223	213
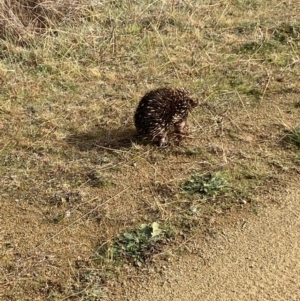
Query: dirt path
257	258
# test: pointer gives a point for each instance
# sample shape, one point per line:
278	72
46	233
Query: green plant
193	152
210	184
139	244
97	179
255	47
286	32
294	136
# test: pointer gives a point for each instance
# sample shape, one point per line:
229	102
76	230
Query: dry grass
22	21
73	175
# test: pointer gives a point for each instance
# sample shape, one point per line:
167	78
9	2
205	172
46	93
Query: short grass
73	177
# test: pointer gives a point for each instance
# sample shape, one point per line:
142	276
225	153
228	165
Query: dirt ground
254	258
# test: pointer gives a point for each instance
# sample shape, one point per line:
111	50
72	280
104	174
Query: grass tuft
21	21
287	32
294	136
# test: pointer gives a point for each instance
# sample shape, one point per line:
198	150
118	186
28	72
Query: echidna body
161	109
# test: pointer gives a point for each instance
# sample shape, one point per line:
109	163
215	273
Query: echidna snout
161	109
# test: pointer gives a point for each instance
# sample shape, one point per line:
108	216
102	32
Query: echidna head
188	100
191	103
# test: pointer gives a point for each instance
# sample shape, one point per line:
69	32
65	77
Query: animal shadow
103	138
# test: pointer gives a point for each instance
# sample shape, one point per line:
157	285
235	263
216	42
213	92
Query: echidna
161	109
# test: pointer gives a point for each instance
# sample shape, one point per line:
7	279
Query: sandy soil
255	258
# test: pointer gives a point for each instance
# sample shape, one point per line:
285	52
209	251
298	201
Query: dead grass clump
22	20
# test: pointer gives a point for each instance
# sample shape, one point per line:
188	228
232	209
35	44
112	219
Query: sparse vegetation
207	185
73	175
294	136
137	245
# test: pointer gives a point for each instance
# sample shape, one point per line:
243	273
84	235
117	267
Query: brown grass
73	176
22	20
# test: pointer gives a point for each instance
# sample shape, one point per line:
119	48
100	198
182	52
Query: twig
266	87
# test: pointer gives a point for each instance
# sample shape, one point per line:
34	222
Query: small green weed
294	136
97	179
246	4
211	184
256	210
193	152
246	27
254	47
249	90
287	32
138	245
297	159
93	293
